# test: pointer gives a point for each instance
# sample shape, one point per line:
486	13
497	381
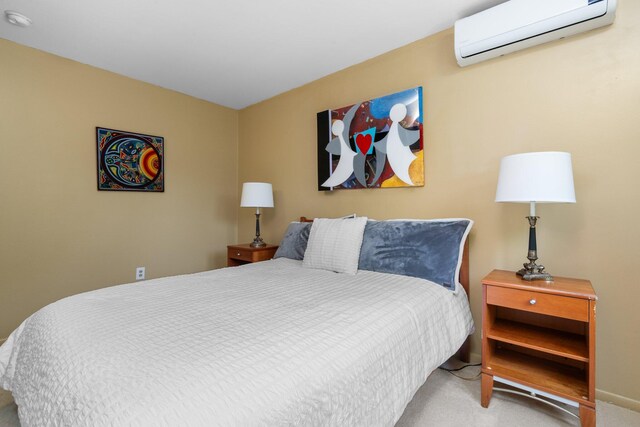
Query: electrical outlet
140	273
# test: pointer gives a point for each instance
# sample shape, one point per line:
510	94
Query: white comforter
270	343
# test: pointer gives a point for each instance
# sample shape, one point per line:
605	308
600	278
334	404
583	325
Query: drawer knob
532	302
238	254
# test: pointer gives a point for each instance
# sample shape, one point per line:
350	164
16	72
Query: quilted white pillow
334	244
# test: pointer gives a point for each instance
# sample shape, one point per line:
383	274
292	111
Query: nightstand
540	337
245	254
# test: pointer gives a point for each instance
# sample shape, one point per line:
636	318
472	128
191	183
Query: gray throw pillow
294	242
429	249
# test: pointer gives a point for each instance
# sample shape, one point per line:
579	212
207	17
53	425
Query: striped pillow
334	244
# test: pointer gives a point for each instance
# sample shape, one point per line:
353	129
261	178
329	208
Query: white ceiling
233	53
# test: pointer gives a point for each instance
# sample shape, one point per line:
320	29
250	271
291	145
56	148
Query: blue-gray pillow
426	249
294	242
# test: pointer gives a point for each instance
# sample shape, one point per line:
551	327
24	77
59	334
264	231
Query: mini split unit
519	24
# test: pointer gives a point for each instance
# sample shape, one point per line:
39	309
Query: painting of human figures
372	144
129	161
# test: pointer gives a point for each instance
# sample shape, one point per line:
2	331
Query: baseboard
606	396
618	400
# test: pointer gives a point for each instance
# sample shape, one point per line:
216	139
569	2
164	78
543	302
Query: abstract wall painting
129	161
372	144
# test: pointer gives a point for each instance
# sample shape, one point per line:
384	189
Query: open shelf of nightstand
565	344
546	375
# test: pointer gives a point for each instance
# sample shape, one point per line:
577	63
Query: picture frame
372	144
129	161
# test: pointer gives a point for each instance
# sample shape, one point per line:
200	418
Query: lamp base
258	243
527	275
533	271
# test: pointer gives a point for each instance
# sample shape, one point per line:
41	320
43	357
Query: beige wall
580	95
58	234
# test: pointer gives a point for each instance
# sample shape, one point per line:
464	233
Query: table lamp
257	195
532	178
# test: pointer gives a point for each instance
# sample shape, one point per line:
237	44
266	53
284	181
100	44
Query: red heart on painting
364	142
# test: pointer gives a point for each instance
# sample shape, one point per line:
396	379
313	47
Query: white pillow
334	244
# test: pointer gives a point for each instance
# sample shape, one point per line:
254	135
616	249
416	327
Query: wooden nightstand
245	254
540	337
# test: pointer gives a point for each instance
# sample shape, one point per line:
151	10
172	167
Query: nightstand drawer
241	254
538	302
245	254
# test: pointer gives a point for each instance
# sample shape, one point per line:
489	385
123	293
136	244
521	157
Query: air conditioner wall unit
519	24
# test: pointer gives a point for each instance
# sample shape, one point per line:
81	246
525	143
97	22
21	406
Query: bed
270	343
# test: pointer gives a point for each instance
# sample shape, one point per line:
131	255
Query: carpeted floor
447	401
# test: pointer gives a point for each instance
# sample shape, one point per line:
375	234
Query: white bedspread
268	344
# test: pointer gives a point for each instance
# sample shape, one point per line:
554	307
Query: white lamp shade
545	177
256	195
